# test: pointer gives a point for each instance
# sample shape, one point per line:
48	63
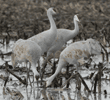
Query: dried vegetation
25	18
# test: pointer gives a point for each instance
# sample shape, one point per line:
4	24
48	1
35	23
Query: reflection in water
61	94
81	97
44	95
99	96
95	96
69	97
52	94
65	94
105	93
78	95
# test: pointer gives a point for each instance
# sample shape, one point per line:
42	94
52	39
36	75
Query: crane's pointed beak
77	21
78	18
54	11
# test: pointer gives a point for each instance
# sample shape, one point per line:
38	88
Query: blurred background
25	18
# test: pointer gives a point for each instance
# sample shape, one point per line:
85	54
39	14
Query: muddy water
58	94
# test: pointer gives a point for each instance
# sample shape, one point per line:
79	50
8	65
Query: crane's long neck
74	32
76	27
52	23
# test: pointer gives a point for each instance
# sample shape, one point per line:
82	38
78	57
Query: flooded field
15	90
81	20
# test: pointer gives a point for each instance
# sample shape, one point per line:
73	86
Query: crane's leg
28	77
67	75
45	62
54	65
47	58
77	65
33	67
44	66
53	70
38	68
36	75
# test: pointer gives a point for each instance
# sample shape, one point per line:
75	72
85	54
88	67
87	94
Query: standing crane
63	35
46	39
32	48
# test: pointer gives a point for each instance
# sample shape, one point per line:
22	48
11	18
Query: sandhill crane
46	39
74	52
38	44
26	50
63	35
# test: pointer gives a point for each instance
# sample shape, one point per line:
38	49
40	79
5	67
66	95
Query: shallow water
58	94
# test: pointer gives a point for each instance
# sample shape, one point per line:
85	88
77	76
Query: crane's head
76	18
96	47
51	10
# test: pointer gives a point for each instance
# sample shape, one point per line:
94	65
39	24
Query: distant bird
63	35
46	39
74	52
